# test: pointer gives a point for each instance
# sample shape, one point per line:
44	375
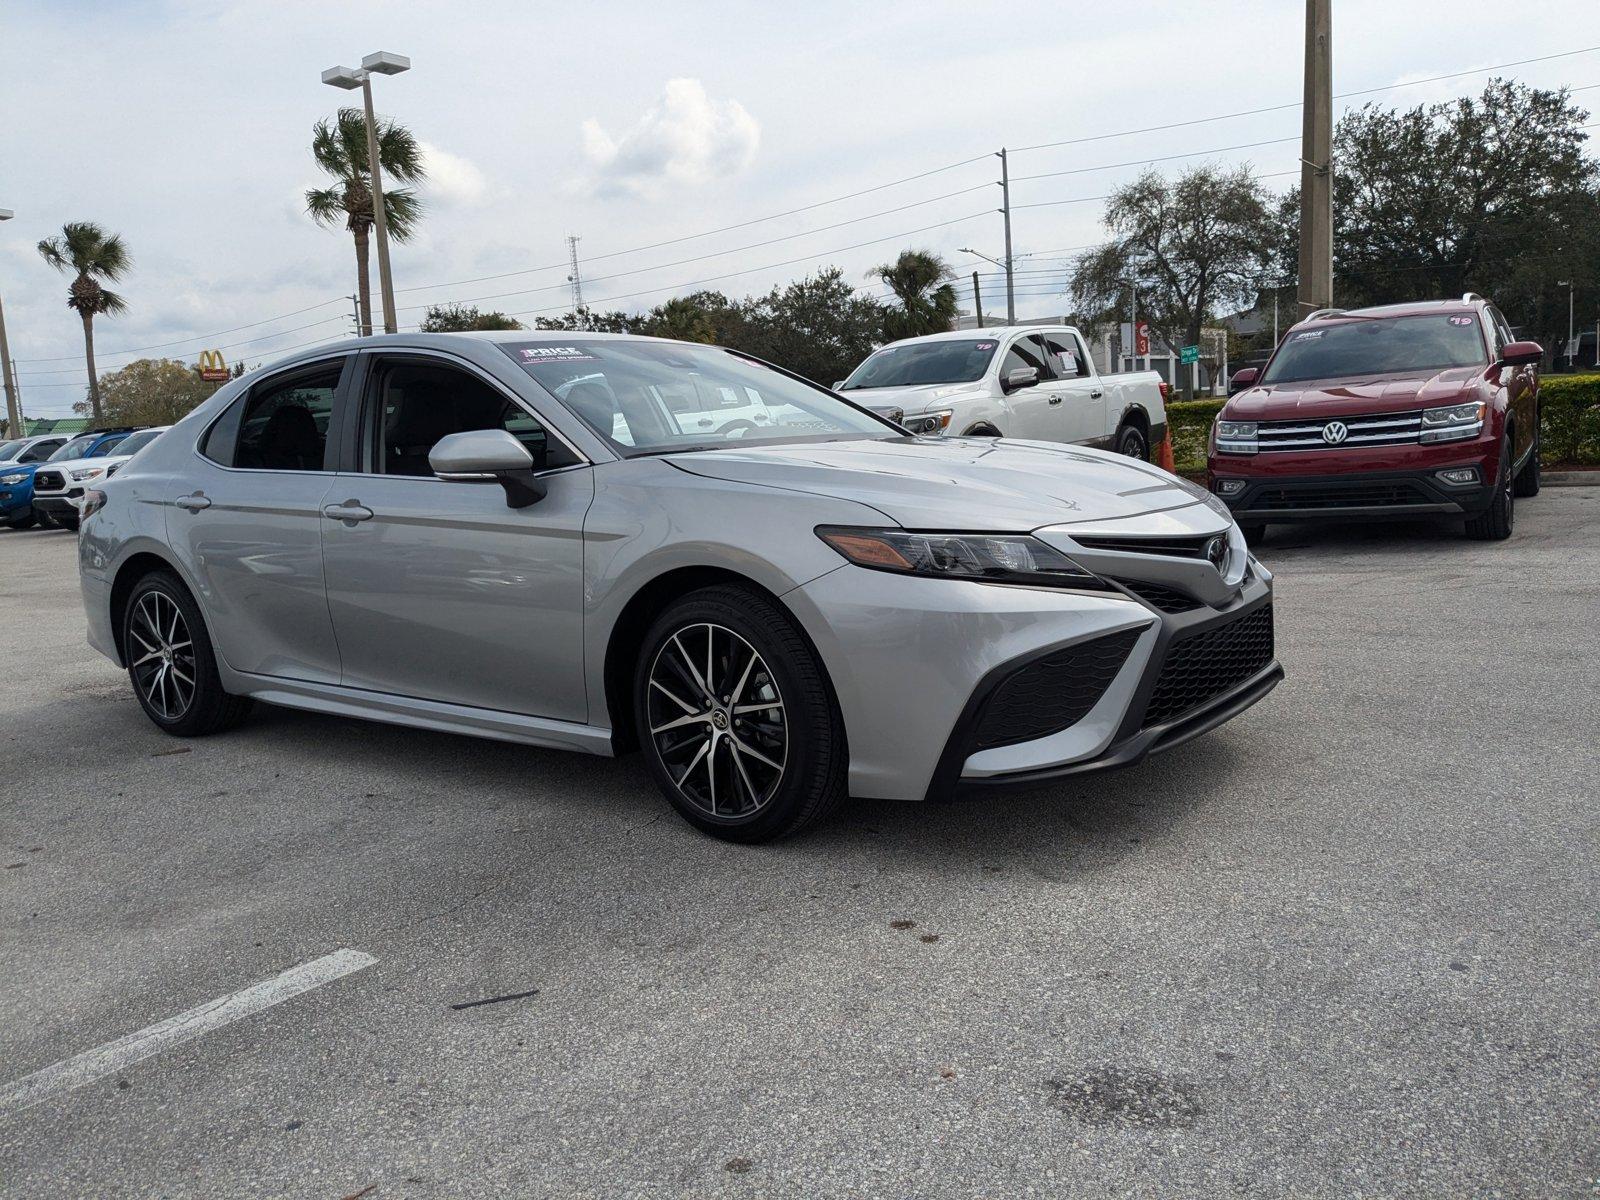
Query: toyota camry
557	539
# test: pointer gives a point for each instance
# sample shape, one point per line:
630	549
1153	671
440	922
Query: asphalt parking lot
1345	945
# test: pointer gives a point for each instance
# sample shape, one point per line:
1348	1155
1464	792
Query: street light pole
382	63
13	401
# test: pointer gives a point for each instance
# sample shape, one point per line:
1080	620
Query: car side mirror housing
839	386
1018	378
1243	378
1521	354
488	456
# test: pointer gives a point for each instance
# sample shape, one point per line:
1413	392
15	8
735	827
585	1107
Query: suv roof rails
1323	312
113	429
1473	298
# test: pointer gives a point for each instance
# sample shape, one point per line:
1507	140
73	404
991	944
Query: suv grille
1202	667
49	481
1052	693
1338	495
1382	429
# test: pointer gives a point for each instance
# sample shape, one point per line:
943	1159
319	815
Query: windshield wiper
683	449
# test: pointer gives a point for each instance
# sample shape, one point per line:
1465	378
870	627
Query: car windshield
138	441
76	448
9	450
1379	346
915	363
653	397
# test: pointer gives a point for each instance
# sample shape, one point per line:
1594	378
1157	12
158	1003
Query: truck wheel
1132	442
1528	478
1495	522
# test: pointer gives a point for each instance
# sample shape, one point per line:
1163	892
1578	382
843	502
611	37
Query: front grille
1167	599
1176	547
1200	668
1382	494
1382	429
1052	693
49	481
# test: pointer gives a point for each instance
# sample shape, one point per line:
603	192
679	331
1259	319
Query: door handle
1096	394
349	511
194	503
1055	399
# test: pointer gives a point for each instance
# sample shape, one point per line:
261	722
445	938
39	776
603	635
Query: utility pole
1005	210
1316	161
575	279
1133	325
977	299
13	402
355	314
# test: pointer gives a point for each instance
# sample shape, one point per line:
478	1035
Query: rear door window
280	424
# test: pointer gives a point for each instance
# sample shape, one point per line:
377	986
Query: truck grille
49	481
1052	693
1383	429
1200	668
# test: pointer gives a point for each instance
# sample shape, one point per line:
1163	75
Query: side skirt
421	714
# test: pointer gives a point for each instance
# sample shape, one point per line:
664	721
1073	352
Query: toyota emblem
1334	432
1217	551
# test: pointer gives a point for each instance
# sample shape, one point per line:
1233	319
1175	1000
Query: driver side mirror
1521	354
488	456
1242	379
1018	378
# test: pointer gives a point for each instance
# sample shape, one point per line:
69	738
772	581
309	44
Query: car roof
1409	308
988	331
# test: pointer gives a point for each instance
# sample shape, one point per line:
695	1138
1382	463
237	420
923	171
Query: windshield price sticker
1309	334
538	354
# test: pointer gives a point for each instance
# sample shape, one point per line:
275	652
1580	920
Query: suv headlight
1454	423
992	558
17	478
1236	437
929	423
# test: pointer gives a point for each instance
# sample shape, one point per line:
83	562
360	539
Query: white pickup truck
1017	381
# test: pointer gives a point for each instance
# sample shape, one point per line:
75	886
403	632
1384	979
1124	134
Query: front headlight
992	558
929	423
1456	422
1236	437
82	473
17	478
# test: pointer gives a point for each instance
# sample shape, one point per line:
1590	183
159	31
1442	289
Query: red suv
1408	410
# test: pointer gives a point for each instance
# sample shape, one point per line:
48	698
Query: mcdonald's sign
213	366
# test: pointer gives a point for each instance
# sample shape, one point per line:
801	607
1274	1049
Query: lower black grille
1367	495
1052	693
1158	595
1202	667
49	481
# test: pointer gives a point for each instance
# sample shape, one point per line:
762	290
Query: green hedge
1569	432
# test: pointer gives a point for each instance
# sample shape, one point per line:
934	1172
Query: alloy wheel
161	655
717	720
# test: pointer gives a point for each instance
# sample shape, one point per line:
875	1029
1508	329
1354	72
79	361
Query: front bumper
1379	495
67	503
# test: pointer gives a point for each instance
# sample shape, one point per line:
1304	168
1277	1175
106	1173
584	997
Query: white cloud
451	178
684	140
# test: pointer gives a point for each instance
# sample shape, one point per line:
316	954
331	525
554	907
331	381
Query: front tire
171	662
1495	523
1131	440
25	521
42	519
736	717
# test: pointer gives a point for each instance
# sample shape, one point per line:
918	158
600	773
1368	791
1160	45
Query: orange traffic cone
1164	458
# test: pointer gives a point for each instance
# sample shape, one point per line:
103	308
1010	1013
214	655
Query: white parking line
214	1014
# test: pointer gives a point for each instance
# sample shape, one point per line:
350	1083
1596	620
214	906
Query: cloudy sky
772	129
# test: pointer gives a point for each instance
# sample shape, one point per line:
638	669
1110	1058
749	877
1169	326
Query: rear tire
1495	523
1131	440
1528	479
171	662
763	754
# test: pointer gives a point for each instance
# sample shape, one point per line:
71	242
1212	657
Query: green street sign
1189	354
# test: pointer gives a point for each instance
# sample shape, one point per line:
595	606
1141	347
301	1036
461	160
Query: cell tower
575	279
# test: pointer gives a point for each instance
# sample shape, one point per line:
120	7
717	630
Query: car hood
914	400
1355	396
957	483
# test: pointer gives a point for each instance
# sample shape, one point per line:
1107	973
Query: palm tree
89	254
340	148
927	302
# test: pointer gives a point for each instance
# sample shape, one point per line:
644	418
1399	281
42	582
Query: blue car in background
16	478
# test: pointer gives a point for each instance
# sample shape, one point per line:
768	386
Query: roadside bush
1569	419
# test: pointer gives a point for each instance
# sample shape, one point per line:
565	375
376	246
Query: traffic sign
1189	354
1141	339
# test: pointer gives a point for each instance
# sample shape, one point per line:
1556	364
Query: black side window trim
224	431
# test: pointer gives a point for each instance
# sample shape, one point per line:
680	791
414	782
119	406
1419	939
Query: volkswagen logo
1217	551
1334	432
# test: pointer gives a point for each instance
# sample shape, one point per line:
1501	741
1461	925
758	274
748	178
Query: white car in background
58	488
1029	381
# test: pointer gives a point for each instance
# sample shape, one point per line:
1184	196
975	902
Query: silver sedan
607	543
